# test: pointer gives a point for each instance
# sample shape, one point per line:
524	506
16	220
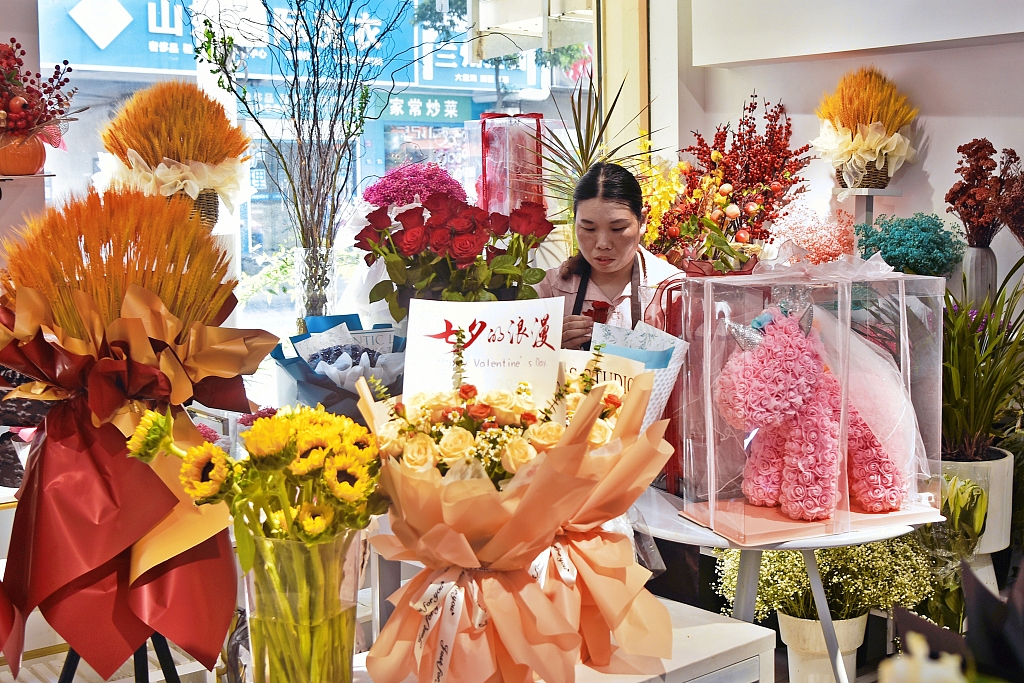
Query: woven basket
208	206
874	178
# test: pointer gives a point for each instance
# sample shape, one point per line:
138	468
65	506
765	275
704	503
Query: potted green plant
856	579
982	376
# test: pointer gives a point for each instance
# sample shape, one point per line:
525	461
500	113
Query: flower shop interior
791	447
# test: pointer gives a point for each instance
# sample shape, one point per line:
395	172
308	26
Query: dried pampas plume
176	120
101	244
866	96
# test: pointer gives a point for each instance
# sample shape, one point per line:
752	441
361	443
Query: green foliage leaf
484	295
396	268
448	295
526	292
381	290
397	312
505	265
245	546
532	276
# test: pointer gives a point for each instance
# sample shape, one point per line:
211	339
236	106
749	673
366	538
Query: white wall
962	92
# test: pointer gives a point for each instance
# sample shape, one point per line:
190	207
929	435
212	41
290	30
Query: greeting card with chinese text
506	342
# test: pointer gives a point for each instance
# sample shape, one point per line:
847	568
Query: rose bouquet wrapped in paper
505	507
112	304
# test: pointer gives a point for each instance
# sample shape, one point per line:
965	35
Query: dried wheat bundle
176	120
101	244
866	96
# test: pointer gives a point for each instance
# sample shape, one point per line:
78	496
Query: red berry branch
30	105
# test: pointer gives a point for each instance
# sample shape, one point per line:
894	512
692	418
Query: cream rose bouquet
506	507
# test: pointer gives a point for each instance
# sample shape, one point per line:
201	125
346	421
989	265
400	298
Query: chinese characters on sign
506	342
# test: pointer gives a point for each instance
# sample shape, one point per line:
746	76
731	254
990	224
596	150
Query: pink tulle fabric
783	389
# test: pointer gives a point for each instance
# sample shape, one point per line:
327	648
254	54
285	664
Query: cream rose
544	435
504	405
391	439
600	434
437	403
517	453
420	452
456	444
572	402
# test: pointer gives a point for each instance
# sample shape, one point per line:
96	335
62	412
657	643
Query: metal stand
141	663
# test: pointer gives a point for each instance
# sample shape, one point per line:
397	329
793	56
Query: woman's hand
576	331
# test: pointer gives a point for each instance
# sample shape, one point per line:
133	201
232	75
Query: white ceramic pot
981	270
808	655
996	478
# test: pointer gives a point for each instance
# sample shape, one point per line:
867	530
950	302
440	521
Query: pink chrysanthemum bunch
825	239
404	184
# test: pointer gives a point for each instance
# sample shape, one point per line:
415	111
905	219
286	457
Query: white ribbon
851	151
560	555
170	176
441	605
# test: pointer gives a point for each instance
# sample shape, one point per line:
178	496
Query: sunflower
361	444
347	479
315	519
151	436
204	471
312	447
268	440
279	524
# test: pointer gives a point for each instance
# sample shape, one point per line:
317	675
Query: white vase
980	268
995	477
808	655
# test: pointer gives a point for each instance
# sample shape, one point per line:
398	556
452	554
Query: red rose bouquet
447	249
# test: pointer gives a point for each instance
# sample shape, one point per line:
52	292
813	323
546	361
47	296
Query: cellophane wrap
524	581
811	402
510	160
109	548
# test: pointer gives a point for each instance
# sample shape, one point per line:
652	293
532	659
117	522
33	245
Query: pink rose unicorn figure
777	382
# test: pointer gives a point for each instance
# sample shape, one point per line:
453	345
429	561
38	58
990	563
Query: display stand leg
67	672
163	653
827	628
385	579
746	585
141	662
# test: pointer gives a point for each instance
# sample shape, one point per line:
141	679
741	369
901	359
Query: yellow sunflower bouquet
298	499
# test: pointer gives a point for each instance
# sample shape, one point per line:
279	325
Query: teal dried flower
921	244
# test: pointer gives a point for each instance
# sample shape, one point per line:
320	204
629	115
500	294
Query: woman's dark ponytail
612	183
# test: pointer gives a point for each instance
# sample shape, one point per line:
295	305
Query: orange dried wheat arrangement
865	96
101	244
176	120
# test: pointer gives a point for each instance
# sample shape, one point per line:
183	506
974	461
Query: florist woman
612	279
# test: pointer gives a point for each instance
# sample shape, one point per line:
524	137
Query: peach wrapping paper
475	613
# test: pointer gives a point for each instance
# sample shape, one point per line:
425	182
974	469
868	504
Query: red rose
493	252
530	219
367	238
478	411
451	414
477	215
439	240
411	218
499	224
489	425
466	247
612	401
410	242
379	219
442	209
461	225
528	418
467	391
400	409
598	311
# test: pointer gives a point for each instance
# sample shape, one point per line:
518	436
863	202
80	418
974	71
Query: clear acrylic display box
810	407
508	158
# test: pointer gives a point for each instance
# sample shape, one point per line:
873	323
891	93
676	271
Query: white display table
661	513
706	647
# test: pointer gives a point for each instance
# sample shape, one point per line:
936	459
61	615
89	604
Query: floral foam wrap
525	581
109	548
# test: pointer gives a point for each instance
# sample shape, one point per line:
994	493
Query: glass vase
316	279
302	610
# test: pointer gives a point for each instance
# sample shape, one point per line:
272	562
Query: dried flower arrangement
865	122
921	244
976	198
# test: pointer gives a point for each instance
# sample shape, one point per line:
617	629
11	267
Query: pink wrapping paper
524	581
